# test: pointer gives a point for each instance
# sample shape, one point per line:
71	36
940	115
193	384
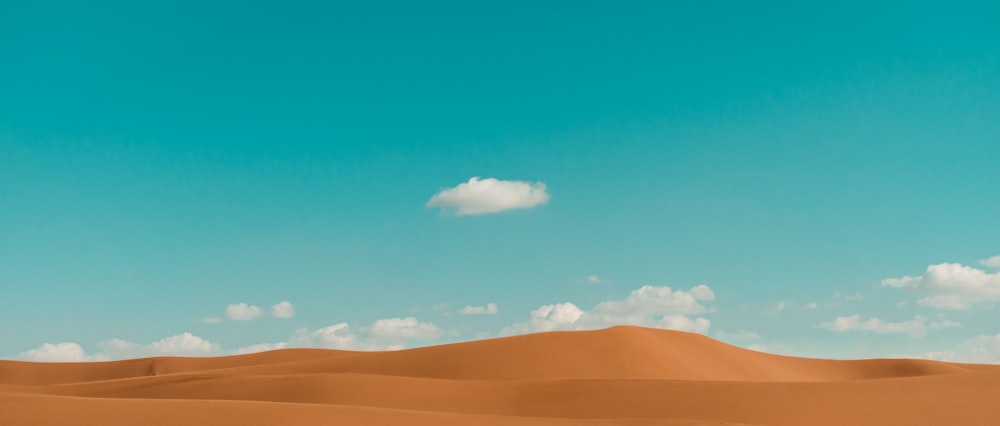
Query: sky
192	178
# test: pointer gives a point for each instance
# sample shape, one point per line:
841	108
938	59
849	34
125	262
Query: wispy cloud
488	309
484	196
916	327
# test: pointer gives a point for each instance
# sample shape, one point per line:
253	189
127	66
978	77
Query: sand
620	375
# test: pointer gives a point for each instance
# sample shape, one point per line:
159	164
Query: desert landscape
619	375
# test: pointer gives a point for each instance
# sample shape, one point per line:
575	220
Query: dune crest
620	375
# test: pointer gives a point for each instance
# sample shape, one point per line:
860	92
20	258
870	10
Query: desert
618	375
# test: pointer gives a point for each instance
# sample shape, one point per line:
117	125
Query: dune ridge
620	375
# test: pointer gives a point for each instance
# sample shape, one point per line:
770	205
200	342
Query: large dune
620	375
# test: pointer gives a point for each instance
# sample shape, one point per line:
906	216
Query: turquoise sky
160	161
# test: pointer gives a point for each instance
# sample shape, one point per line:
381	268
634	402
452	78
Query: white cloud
403	328
647	306
283	310
489	309
951	285
337	336
184	344
242	312
212	320
484	196
981	350
916	327
261	347
595	279
991	262
59	352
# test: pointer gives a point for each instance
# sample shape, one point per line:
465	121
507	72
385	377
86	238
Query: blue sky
162	161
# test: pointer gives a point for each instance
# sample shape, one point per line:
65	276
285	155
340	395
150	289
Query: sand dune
621	375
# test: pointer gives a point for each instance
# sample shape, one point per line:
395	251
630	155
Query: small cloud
488	309
242	312
917	327
593	279
283	310
58	352
811	305
485	196
403	328
991	262
212	320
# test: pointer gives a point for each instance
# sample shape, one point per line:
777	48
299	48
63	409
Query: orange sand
620	375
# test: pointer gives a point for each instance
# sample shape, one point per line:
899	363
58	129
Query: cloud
981	349
212	320
283	310
337	336
593	279
648	306
242	312
991	262
951	286
260	347
917	327
384	334
184	344
484	196
403	328
58	352
489	309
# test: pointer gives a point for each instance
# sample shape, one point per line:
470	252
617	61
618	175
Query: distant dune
620	375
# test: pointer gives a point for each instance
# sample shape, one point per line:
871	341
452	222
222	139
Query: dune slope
621	375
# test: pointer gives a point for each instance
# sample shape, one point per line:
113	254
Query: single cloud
58	352
488	309
593	279
212	320
283	310
648	306
917	327
951	286
403	328
991	262
242	312
484	196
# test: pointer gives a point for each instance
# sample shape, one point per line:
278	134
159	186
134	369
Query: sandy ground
621	375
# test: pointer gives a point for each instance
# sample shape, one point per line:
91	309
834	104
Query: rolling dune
620	375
